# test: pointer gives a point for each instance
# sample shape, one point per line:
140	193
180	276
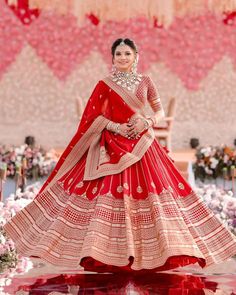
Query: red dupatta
108	153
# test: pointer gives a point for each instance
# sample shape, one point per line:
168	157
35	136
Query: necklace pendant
126	80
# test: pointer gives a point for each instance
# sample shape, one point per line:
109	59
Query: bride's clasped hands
134	128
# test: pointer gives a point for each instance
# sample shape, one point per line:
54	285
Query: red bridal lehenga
119	204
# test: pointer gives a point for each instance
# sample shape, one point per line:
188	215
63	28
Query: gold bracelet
109	125
114	127
117	128
152	122
146	123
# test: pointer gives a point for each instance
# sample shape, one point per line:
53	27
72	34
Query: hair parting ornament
122	43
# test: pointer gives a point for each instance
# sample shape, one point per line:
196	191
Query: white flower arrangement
221	202
14	203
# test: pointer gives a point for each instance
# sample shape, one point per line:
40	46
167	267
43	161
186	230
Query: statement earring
135	65
113	69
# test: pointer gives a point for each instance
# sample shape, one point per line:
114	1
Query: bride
115	201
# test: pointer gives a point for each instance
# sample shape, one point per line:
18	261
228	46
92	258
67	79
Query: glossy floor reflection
40	278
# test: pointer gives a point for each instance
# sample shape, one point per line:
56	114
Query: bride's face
123	58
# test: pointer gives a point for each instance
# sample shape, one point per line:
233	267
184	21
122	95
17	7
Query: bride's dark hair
127	41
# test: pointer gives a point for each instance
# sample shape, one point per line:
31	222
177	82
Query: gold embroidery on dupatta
79	148
93	169
128	97
103	157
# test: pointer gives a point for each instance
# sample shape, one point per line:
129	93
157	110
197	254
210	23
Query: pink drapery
163	11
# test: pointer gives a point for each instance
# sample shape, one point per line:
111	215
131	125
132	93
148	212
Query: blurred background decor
213	162
35	161
50	58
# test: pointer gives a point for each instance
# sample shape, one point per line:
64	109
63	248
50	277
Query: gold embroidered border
92	168
135	103
80	148
129	97
63	231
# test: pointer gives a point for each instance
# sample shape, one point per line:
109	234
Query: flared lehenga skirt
145	218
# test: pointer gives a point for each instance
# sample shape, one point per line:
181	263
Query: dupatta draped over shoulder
109	153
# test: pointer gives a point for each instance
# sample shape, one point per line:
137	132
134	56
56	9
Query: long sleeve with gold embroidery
155	102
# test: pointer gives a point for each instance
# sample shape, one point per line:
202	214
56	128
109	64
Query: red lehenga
114	203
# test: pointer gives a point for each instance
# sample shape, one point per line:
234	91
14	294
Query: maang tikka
122	43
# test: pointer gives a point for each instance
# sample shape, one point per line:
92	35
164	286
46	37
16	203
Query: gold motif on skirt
170	189
70	181
126	186
119	189
94	190
80	184
180	185
139	189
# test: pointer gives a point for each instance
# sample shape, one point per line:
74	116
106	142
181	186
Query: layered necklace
126	80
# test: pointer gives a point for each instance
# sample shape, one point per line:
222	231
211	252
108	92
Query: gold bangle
117	128
152	122
145	122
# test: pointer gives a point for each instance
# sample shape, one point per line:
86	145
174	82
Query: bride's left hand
136	128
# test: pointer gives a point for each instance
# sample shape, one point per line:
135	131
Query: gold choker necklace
126	80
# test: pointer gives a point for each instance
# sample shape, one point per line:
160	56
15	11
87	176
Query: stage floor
44	279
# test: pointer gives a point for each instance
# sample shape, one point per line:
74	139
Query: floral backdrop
48	63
